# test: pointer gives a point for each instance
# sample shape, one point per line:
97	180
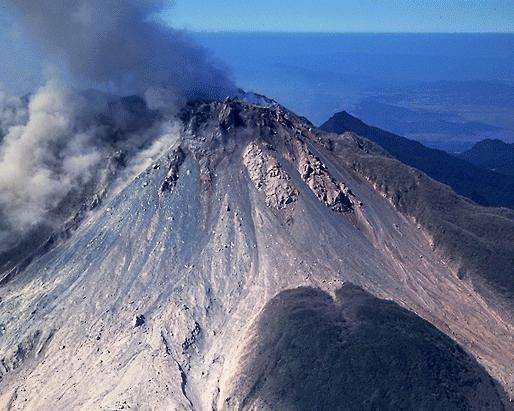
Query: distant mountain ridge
493	154
483	186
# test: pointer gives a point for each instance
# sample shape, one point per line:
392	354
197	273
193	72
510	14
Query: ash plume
43	159
59	142
52	142
12	112
121	45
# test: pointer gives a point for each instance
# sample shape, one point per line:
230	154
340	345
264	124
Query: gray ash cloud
52	141
122	45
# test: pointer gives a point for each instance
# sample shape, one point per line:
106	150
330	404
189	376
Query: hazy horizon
344	16
390	80
394	81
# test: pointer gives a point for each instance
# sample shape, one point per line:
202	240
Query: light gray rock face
150	302
267	175
335	195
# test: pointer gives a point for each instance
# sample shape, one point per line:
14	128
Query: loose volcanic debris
140	320
191	340
268	176
335	195
176	159
22	351
227	274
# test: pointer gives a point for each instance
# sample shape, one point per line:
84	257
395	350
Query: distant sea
447	90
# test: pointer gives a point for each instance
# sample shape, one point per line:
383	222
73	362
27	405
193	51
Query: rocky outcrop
335	195
192	338
175	160
268	176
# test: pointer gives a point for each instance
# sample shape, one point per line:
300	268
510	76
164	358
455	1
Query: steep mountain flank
476	242
481	185
150	302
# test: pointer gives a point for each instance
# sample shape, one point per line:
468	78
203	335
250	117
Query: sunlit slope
147	304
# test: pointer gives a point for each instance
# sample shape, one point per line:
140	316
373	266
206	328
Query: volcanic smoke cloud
12	112
50	143
121	45
42	159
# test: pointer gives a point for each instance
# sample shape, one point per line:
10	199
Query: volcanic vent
200	284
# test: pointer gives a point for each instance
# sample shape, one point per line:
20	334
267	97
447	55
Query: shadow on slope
476	242
307	351
494	155
482	186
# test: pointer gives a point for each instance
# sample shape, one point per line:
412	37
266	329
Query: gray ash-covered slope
476	242
482	185
124	122
150	302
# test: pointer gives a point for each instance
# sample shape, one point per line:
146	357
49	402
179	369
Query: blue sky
345	15
21	68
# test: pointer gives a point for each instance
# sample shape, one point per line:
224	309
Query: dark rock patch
309	352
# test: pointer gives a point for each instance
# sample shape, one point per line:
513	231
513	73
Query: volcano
261	263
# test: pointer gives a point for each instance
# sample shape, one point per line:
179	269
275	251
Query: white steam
43	159
53	146
12	112
169	135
